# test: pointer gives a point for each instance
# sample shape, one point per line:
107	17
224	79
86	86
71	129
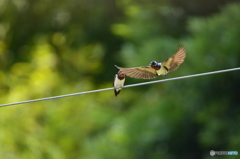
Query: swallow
119	80
156	69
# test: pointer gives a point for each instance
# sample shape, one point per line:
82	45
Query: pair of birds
154	70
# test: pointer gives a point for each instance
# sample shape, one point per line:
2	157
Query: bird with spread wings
156	69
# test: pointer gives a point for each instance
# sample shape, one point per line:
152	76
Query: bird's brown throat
156	67
121	76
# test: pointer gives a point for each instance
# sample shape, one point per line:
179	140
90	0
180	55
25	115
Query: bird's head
120	74
155	65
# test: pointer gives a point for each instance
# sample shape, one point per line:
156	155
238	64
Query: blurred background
56	47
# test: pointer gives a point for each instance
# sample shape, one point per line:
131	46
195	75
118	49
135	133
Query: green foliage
50	48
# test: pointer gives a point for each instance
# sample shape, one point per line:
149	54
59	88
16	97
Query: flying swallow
119	80
156	69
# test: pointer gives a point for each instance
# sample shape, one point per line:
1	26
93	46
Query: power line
131	85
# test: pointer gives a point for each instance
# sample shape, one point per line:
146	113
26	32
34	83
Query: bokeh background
56	47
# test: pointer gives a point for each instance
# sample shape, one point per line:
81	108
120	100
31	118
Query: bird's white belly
119	83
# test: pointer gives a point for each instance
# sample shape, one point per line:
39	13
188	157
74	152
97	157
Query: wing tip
181	47
117	67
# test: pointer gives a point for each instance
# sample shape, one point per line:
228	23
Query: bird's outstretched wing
144	72
177	59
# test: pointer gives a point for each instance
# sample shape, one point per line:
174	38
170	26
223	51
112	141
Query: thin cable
131	85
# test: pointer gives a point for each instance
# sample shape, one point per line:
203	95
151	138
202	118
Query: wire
131	85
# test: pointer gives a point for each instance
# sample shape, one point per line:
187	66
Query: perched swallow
119	80
156	69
